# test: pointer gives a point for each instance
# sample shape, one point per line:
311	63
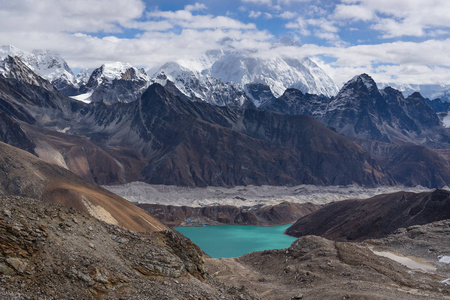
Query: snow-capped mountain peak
46	64
240	67
368	82
360	83
12	51
109	72
112	82
118	70
83	76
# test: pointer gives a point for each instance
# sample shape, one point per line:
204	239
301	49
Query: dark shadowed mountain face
438	105
294	102
12	134
375	217
360	110
191	143
411	164
164	138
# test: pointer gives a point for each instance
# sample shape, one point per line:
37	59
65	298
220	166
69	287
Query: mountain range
137	128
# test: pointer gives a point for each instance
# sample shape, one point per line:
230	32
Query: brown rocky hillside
22	174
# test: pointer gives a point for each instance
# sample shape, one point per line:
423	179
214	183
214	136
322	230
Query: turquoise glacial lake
236	240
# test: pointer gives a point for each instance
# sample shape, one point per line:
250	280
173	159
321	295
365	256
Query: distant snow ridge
430	91
219	77
44	63
83	76
237	68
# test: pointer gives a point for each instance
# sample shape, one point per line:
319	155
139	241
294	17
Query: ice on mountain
83	97
46	64
230	66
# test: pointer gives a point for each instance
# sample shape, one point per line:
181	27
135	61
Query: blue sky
401	41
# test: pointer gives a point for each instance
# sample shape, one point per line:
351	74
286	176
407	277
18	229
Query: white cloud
402	17
186	19
321	28
400	62
325	25
279	3
70	31
72	16
288	15
254	14
196	6
288	2
300	25
392	28
260	2
354	12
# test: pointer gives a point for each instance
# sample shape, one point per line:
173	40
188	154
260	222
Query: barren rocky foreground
53	252
317	268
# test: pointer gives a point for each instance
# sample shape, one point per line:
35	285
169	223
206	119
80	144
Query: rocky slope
272	215
52	252
317	268
411	164
430	242
23	174
375	217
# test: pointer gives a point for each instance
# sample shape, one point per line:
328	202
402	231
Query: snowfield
246	196
444	259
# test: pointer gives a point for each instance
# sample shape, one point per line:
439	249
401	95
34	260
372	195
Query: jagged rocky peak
420	111
360	90
361	82
430	91
176	72
290	93
415	96
13	68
